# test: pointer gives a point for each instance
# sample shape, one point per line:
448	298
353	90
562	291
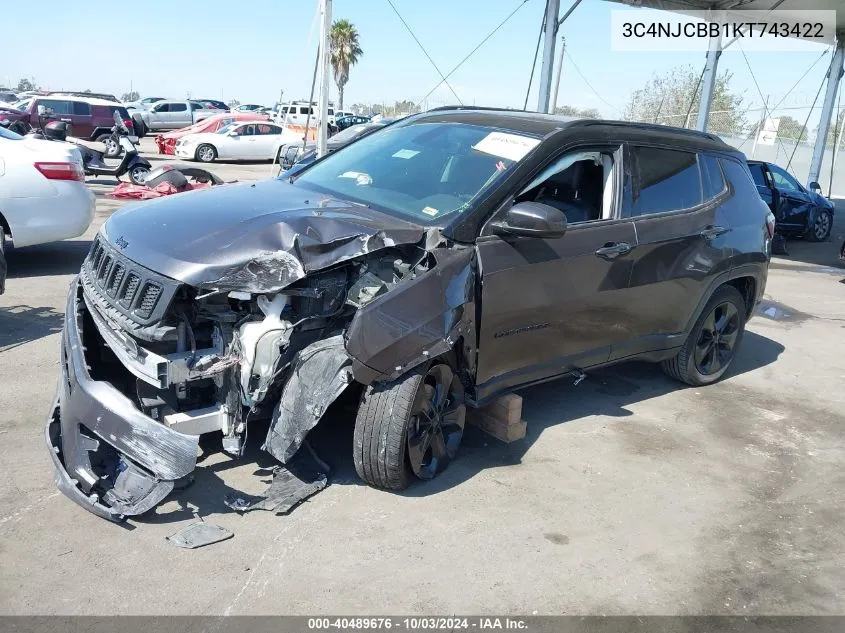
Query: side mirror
42	110
233	133
814	186
532	219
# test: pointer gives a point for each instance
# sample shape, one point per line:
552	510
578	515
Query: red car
167	142
90	118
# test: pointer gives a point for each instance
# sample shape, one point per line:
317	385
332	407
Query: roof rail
484	108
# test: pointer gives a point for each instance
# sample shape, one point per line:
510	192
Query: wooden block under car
501	418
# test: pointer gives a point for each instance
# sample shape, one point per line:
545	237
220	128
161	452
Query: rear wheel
711	345
113	148
206	153
820	230
410	427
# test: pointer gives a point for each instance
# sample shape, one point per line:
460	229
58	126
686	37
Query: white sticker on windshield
504	145
405	153
430	211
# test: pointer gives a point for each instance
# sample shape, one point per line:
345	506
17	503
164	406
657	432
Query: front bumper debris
109	457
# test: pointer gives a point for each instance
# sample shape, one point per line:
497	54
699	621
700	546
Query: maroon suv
90	118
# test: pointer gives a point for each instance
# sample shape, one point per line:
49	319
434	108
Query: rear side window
121	111
711	176
757	174
665	180
178	107
739	176
81	108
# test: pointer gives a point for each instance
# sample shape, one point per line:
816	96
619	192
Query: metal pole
841	120
557	75
714	50
760	125
834	75
323	106
552	10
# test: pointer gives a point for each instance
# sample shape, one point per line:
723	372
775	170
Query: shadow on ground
606	392
21	324
57	258
821	255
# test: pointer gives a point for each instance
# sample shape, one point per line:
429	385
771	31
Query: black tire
821	227
385	418
3	265
690	365
113	148
206	153
140	128
138	174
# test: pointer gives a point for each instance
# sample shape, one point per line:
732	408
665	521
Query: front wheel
820	230
206	153
138	174
711	345
412	426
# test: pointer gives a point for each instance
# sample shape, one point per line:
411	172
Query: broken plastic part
261	344
199	534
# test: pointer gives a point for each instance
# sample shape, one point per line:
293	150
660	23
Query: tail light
129	125
61	171
770	224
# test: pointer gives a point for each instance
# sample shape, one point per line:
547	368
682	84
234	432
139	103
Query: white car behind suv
43	196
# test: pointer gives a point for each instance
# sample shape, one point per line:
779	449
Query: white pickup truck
172	115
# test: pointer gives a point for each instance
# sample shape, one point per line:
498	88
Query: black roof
539	124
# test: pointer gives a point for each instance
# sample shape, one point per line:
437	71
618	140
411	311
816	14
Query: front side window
664	180
58	106
579	183
161	107
178	107
783	179
421	171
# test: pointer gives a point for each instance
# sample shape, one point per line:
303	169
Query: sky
252	51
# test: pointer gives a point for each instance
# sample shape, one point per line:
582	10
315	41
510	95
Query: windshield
422	171
4	133
350	133
227	128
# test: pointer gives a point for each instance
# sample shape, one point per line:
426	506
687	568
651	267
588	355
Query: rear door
763	181
82	119
58	110
793	202
681	242
178	115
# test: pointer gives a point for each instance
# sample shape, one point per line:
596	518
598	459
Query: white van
297	113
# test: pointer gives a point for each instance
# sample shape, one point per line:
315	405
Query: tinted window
757	174
81	108
667	180
739	175
711	176
58	106
178	107
121	111
272	129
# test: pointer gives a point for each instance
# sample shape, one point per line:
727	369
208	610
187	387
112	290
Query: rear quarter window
80	108
712	179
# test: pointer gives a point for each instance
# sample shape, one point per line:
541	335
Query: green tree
344	51
130	96
233	103
791	129
586	113
835	125
25	85
667	99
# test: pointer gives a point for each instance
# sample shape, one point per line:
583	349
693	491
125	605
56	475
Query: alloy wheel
437	422
138	175
822	226
206	154
717	339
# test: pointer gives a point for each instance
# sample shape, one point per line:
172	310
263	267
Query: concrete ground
630	494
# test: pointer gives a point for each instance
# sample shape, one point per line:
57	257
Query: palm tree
344	51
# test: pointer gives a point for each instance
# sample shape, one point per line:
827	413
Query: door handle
712	232
612	250
67	120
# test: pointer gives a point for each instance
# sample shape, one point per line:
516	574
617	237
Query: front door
681	242
762	180
793	202
552	305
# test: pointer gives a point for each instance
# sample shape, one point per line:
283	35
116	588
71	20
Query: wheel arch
748	279
4	225
747	287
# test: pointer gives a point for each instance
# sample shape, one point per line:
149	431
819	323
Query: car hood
252	237
820	200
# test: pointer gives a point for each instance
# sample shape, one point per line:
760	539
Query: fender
99	131
425	317
757	271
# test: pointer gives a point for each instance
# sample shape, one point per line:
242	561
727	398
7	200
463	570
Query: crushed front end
149	363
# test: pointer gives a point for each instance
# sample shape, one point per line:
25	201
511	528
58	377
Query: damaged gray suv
451	257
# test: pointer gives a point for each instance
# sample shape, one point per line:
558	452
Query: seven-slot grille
136	292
